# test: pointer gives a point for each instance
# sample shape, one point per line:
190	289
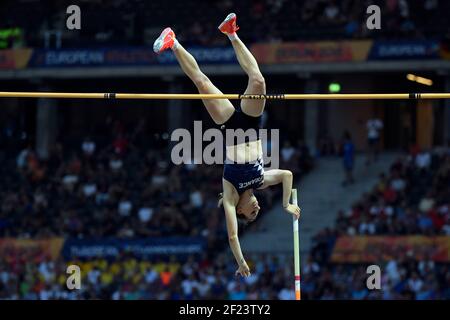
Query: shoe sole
157	45
228	18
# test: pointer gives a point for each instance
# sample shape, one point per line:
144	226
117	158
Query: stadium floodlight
418	79
334	87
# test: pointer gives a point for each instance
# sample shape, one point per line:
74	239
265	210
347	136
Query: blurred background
90	182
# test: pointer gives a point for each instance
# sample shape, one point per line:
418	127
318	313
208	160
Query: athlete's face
248	206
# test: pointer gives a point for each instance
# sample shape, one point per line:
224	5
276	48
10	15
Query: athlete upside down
244	168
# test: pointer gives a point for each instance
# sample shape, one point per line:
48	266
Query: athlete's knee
202	82
257	80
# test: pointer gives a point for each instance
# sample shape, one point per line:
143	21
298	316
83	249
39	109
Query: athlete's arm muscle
276	176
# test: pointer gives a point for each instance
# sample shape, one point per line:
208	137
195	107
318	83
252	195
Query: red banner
15	59
10	247
361	249
325	51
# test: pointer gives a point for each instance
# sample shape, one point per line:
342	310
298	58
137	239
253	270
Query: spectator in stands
374	126
348	154
88	146
320	19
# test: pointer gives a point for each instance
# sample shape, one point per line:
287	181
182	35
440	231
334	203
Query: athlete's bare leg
256	82
220	110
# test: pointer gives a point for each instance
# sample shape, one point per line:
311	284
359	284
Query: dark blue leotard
243	176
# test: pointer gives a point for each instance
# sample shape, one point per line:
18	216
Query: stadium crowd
412	199
120	192
113	185
116	187
123	22
32	276
402	203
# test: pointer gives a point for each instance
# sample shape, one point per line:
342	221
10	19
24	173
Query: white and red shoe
165	41
228	26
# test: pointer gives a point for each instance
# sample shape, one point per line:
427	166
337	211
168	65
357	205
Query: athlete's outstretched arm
230	199
232	227
276	176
